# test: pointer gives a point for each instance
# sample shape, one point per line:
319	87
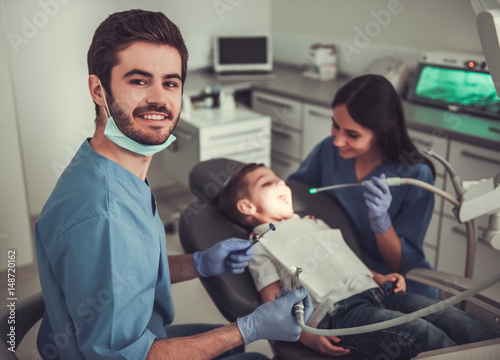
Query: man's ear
96	90
245	207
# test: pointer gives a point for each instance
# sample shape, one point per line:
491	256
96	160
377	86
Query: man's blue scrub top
410	211
103	266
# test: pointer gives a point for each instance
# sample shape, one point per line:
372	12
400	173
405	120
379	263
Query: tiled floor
192	303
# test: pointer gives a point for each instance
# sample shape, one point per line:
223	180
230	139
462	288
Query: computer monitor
242	53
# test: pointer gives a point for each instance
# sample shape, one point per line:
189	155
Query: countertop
289	82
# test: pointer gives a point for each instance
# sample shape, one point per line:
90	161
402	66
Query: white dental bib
331	271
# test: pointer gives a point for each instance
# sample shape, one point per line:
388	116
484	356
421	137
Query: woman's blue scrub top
103	266
410	211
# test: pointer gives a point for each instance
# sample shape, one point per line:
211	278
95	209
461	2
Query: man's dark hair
120	30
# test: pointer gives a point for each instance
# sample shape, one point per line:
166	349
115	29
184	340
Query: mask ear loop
106	108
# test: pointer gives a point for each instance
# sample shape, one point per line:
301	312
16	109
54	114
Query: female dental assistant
370	141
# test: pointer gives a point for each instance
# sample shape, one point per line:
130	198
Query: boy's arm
321	344
396	278
269	292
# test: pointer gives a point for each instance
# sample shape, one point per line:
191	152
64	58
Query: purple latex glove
378	199
223	258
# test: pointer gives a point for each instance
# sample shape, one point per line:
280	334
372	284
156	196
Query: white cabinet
285	113
317	126
242	135
470	163
286	128
296	129
452	252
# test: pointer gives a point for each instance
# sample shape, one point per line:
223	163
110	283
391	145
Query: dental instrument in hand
298	309
255	239
392	181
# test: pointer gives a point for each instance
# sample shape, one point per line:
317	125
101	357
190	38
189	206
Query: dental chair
27	313
202	225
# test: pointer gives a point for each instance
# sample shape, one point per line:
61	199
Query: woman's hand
378	199
323	344
396	278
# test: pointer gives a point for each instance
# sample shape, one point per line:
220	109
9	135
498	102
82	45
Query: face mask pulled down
113	133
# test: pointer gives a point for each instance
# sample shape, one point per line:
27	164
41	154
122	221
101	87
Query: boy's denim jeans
445	328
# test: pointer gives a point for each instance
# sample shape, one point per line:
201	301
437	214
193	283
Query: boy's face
270	196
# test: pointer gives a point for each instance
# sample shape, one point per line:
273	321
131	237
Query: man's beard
126	125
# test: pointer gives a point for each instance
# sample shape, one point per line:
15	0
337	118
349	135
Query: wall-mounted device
455	81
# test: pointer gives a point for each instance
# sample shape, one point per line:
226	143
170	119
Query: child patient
345	293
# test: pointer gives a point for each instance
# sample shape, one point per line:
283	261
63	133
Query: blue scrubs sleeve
108	286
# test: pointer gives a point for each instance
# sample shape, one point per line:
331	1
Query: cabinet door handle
427	144
479	157
233	134
281	161
273	103
281	134
318	114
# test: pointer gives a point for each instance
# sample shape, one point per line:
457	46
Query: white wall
15	231
401	28
47	43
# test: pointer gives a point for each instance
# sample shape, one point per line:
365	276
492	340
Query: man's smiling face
146	89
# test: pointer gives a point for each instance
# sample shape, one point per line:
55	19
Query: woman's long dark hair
372	102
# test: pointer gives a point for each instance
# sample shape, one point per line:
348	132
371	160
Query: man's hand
223	258
275	320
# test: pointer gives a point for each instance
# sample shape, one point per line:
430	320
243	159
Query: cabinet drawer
286	141
317	125
425	141
471	163
283	166
283	112
237	153
432	235
238	133
452	253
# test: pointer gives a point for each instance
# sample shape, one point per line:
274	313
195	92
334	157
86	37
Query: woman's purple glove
223	258
275	320
378	199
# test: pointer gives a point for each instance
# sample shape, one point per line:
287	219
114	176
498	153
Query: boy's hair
120	30
235	190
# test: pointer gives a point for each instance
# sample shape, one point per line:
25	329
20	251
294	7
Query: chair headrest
207	178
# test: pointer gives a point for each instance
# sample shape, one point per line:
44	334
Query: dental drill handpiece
298	309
